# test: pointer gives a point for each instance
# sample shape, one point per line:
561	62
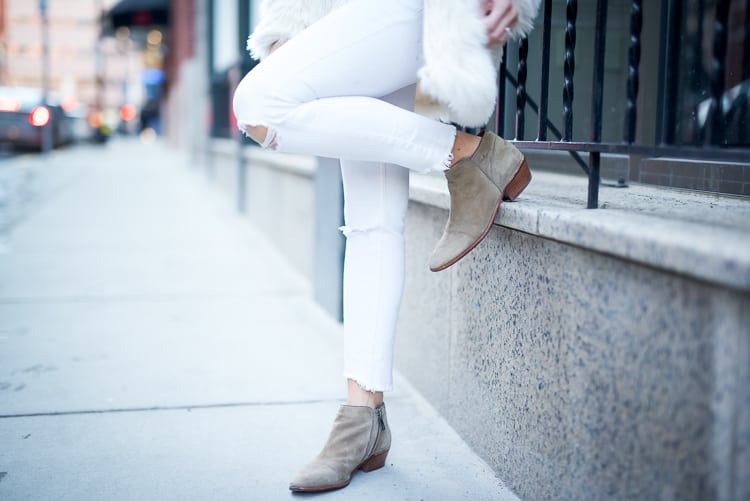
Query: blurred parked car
735	106
23	118
80	122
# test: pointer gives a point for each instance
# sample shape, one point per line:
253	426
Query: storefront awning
134	13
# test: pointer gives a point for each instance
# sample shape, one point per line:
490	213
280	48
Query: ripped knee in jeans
262	135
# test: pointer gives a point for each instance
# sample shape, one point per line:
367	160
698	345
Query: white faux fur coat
460	71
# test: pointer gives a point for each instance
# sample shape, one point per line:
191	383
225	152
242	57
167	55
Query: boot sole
520	180
370	464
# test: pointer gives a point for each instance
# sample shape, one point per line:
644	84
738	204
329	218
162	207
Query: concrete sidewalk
154	346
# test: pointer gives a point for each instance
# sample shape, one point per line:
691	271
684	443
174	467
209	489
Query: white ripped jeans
344	88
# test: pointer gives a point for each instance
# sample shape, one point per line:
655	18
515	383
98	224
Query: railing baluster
551	126
597	99
696	82
571	13
634	61
541	127
715	118
523	53
669	67
676	16
500	109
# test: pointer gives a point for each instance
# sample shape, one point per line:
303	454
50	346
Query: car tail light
9	104
128	112
95	119
39	116
70	103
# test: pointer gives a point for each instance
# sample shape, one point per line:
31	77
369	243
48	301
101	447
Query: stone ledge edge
299	165
701	251
697	250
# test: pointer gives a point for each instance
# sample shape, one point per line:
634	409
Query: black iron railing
710	132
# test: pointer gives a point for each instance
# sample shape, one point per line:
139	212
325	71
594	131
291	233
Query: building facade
83	65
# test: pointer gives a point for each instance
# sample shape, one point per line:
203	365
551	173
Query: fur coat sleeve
280	20
460	70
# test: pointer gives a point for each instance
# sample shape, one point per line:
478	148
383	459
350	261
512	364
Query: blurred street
154	346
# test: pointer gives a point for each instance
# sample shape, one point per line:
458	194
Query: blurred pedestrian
150	115
338	79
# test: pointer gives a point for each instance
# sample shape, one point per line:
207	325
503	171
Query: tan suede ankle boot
360	440
477	185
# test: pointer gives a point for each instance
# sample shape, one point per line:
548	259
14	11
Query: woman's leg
376	196
318	93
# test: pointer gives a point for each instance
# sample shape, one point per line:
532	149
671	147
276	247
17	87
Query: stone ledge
293	164
701	235
223	146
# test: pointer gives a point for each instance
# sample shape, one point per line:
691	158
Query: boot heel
519	182
375	462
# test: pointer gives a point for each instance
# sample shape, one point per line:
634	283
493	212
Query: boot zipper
381	428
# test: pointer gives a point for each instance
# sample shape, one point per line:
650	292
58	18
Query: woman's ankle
464	146
356	395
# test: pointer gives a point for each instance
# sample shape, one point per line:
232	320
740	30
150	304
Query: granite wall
579	375
297	202
278	193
